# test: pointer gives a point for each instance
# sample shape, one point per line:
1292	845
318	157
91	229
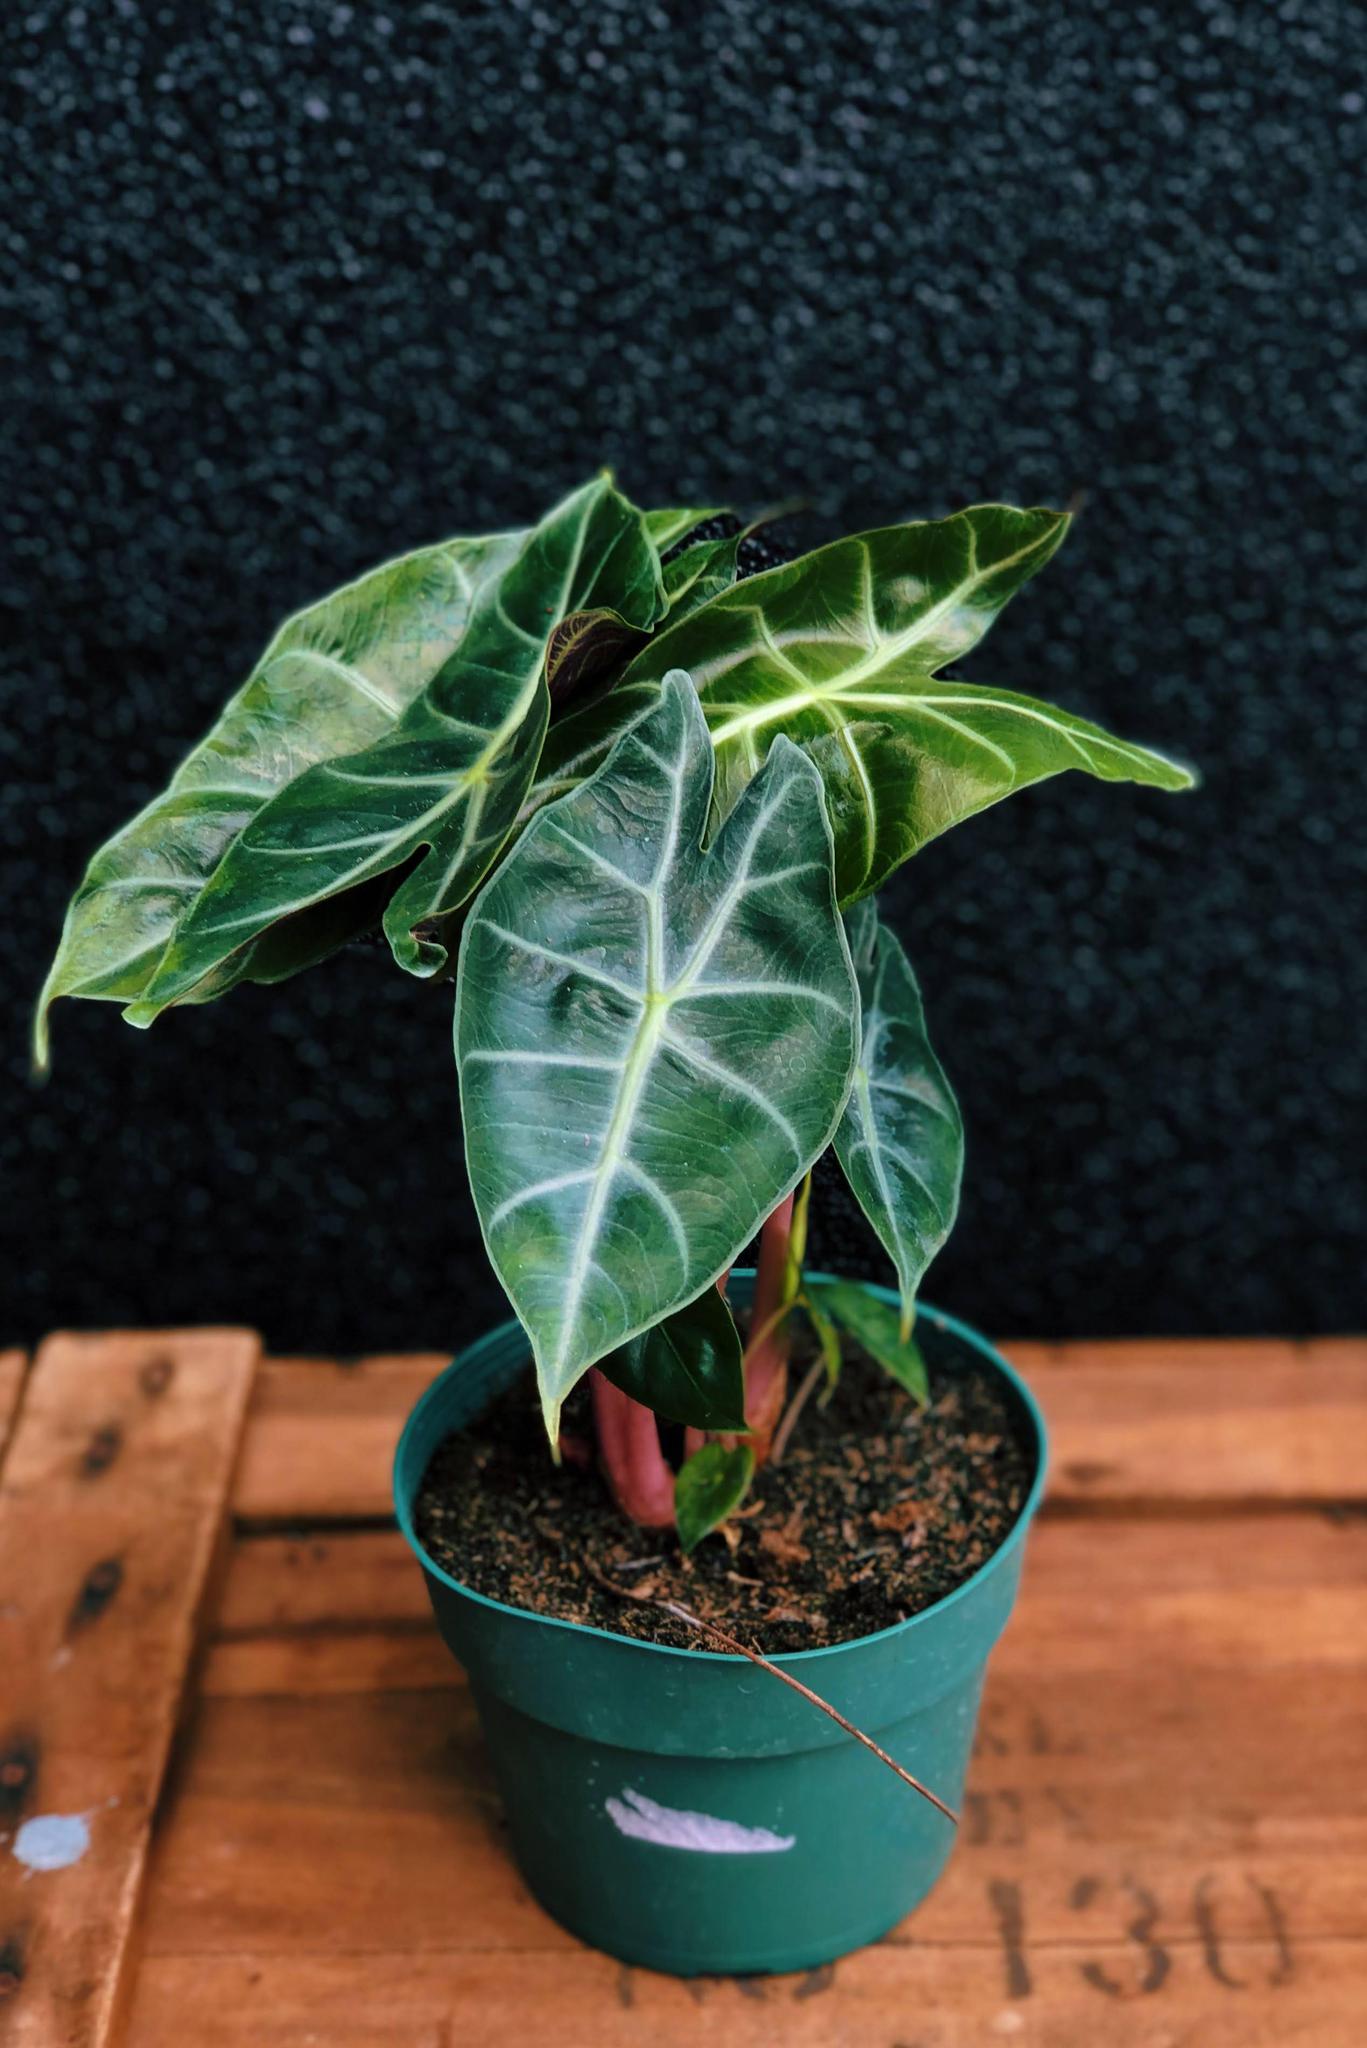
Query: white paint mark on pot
673	1827
52	1841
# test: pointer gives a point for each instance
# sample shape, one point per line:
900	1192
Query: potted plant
638	806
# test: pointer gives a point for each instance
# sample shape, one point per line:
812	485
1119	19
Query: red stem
639	1474
637	1470
766	1363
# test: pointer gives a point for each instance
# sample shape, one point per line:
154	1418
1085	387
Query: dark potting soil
877	1510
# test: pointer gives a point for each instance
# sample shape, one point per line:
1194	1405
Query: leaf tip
417	952
550	1415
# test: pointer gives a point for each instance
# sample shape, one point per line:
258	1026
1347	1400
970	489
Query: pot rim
1013	1540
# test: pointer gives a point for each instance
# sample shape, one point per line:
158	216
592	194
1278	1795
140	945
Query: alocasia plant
650	804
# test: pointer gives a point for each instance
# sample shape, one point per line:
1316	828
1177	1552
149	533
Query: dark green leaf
687	1368
827	1337
334	678
874	1325
901	1139
711	1486
669	525
448	779
654	1042
584	648
698	574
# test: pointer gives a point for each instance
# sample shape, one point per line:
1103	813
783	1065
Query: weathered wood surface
1164	1839
113	1495
322	1436
1186	1424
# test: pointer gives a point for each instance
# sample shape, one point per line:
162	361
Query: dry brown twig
739	1649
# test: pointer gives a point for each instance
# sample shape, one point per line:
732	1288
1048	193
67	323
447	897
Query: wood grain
1232	1577
1164	1838
321	1437
929	1996
1208	1421
114	1493
1188	1424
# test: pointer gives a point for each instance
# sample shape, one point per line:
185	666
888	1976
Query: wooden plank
114	1495
1165	1835
1203	1422
1236	1577
1078	1994
323	1581
321	1436
13	1366
1187	1422
369	1821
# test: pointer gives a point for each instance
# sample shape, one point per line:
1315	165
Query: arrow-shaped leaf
442	787
901	1139
841	650
333	678
654	1042
710	1486
874	1324
687	1368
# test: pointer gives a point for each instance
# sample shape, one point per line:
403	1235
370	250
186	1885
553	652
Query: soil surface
877	1510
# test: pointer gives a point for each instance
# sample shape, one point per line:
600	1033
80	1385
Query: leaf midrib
657	1000
467	778
886	649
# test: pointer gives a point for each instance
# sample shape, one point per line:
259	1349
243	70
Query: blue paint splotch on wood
52	1841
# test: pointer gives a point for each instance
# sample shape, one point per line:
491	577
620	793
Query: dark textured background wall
292	287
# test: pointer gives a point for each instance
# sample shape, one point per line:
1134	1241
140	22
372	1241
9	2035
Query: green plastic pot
684	1810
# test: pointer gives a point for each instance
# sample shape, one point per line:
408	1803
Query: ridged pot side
684	1810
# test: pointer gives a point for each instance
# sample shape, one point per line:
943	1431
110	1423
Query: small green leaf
901	1139
828	1338
711	1486
669	524
700	573
687	1368
874	1325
